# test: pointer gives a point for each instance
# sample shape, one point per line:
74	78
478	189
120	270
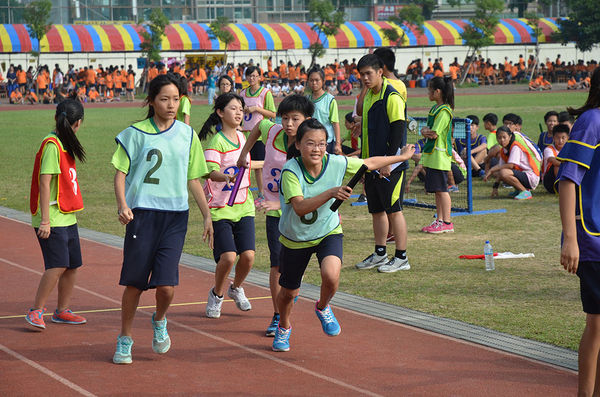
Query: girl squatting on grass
233	225
157	161
308	225
579	194
54	199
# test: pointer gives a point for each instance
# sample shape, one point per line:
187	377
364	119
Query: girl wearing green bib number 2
157	161
437	152
308	225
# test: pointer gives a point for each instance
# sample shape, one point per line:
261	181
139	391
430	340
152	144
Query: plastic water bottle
488	252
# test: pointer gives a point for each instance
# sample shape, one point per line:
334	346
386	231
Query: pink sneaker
429	226
447	228
435	227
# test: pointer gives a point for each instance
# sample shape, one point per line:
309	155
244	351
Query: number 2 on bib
159	159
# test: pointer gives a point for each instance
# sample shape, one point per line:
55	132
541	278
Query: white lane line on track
216	338
47	372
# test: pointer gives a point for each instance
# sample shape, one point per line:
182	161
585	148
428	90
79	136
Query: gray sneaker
213	306
394	265
372	261
238	296
123	353
161	343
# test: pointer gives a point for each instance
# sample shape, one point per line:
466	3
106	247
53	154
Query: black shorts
238	86
457	174
284	81
197	84
347	150
522	177
331	147
293	262
436	180
384	194
62	248
118	90
258	151
152	250
272	225
549	180
233	236
589	282
129	89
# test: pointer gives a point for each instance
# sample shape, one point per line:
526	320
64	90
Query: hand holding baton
359	174
236	186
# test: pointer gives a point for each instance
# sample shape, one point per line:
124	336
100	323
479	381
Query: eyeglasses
312	145
225	85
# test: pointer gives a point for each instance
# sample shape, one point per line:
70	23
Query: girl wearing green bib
437	152
309	185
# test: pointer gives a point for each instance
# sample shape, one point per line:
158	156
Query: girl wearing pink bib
233	225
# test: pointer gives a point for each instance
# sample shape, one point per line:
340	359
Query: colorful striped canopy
282	36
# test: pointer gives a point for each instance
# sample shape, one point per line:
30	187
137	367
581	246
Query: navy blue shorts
62	248
436	180
522	177
258	151
384	194
272	225
152	250
293	262
589	281
233	236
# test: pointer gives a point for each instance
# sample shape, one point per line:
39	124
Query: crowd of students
482	71
90	84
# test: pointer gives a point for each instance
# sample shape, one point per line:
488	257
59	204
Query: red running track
231	355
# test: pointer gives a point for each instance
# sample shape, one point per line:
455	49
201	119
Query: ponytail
593	100
206	129
68	112
446	87
214	119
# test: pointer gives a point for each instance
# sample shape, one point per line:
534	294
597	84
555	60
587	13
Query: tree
326	21
583	25
219	29
521	5
479	32
152	41
428	6
36	17
409	17
533	20
459	4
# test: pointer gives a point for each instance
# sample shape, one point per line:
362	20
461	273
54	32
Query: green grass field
533	298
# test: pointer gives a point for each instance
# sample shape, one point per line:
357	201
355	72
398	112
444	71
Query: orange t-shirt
94	94
453	72
91	76
152	73
269	66
293	75
238	76
123	75
549	66
41	82
109	81
438	73
31	95
21	77
81	91
130	81
117	80
514	71
16	94
162	71
283	72
202	74
329	74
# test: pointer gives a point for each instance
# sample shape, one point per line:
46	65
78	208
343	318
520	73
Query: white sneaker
372	261
394	265
213	306
238	296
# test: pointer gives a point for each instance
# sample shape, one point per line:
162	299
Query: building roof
281	36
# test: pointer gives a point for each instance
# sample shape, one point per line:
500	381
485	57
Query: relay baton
359	174
236	186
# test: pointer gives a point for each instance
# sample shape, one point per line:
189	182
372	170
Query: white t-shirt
276	89
299	88
285	88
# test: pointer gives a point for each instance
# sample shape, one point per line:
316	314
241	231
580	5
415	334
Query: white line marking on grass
225	341
47	372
